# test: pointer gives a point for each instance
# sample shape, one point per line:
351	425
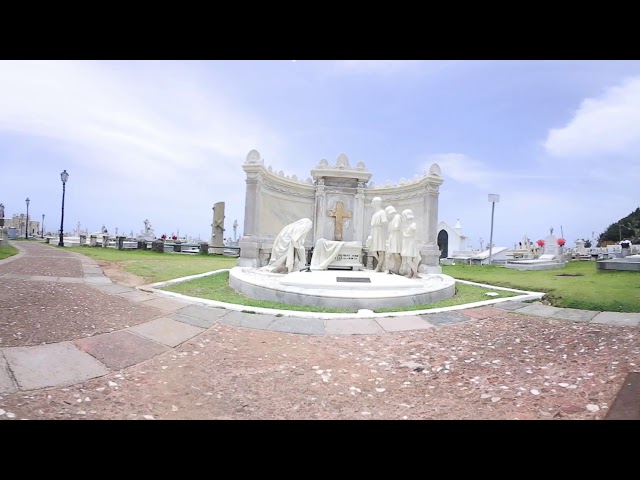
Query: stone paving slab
626	405
353	326
115	288
401	324
539	310
261	322
196	322
7	383
308	326
233	318
512	305
575	314
166	304
122	349
167	331
444	318
92	270
43	278
481	313
616	318
137	296
52	365
203	313
101	280
69	280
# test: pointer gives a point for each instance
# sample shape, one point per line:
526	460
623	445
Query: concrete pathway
167	323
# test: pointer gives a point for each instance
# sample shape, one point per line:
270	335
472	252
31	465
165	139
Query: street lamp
493	198
64	176
42	231
26	228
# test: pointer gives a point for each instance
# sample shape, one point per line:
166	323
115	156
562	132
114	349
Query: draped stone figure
410	252
378	232
393	245
288	253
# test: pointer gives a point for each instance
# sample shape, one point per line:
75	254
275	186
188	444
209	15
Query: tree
587	243
626	228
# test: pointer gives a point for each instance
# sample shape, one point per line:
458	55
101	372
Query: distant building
451	239
18	222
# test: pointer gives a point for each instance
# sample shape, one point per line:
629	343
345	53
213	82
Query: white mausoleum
451	239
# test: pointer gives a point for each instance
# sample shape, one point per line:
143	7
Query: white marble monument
148	233
337	198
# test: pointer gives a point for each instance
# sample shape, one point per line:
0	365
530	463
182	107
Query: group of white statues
393	240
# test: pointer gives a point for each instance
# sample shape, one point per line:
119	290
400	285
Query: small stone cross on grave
340	214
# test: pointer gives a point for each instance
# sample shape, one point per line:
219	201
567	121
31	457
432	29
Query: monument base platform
629	263
350	290
534	265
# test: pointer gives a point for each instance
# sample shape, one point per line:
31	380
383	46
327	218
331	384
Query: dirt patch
570	275
119	275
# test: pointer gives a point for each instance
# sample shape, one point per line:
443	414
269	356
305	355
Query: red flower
540	243
561	241
164	236
174	238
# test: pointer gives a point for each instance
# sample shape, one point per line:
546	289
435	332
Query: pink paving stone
481	313
120	349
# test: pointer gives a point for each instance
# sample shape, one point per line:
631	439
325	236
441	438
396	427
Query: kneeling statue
288	252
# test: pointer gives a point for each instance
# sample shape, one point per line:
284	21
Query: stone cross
340	214
235	230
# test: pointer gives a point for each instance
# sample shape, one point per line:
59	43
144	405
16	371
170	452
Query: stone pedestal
177	247
430	260
83	240
120	241
204	248
142	245
93	241
105	241
158	246
249	253
4	237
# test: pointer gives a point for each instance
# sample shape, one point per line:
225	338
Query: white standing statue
288	252
393	244
410	252
378	232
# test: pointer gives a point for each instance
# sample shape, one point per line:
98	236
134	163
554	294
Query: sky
559	141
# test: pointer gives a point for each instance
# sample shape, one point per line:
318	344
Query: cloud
609	124
151	119
131	132
461	168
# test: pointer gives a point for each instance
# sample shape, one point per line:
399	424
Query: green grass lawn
216	287
158	267
589	289
8	251
579	285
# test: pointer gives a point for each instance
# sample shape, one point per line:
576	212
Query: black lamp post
42	231
64	176
26	228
